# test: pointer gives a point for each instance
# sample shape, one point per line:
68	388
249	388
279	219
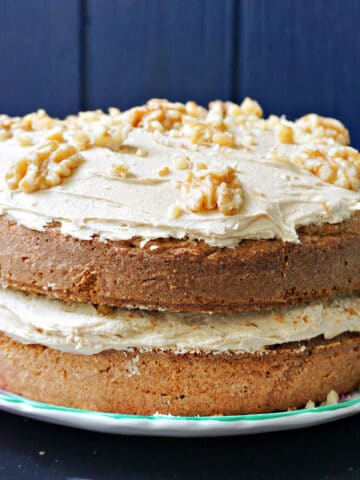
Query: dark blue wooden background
294	56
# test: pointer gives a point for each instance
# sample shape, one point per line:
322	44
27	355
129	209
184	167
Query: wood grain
298	57
295	57
39	56
142	49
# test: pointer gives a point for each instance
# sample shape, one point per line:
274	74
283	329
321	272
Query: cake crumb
332	398
132	368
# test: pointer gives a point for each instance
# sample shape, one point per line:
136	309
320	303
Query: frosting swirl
83	328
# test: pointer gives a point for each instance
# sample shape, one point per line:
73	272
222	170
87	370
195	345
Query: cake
180	260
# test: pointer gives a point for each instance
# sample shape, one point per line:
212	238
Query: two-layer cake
177	259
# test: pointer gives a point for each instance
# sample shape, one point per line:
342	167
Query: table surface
33	450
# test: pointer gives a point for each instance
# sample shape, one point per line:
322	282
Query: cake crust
284	377
180	275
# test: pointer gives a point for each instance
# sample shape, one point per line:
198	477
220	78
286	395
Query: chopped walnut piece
314	127
182	163
200	166
195	110
23	139
273	120
90	116
217	113
114	111
19	127
211	189
81	140
201	126
164	171
248	139
121	170
175	211
332	398
7	125
339	165
112	137
229	199
140	152
4	134
251	107
45	166
39	120
224	138
285	133
159	114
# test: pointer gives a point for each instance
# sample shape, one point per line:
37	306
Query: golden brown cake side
189	384
182	275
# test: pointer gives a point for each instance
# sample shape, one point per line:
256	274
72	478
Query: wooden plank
39	56
140	49
297	57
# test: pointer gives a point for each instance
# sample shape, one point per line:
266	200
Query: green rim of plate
15	399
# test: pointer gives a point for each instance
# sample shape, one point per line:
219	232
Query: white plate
169	426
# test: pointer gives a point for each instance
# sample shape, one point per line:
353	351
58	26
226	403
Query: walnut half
213	189
45	166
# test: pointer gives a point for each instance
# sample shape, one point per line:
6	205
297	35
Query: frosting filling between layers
87	329
278	196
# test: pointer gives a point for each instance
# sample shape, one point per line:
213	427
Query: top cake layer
175	170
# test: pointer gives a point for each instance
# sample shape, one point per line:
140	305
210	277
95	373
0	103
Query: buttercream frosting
82	328
278	196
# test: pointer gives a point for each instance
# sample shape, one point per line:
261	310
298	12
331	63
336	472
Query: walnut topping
332	398
85	130
224	138
7	124
174	211
201	133
23	138
182	163
45	166
200	166
121	170
141	152
213	189
111	137
114	111
251	107
199	125
39	120
164	171
248	140
285	133
314	127
57	134
161	115
4	134
81	140
17	126
339	165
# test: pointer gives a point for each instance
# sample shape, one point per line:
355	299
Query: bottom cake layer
279	378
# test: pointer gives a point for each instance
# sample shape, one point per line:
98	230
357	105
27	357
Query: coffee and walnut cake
177	259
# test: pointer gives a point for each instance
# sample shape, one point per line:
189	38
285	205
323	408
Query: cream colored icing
80	328
278	196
